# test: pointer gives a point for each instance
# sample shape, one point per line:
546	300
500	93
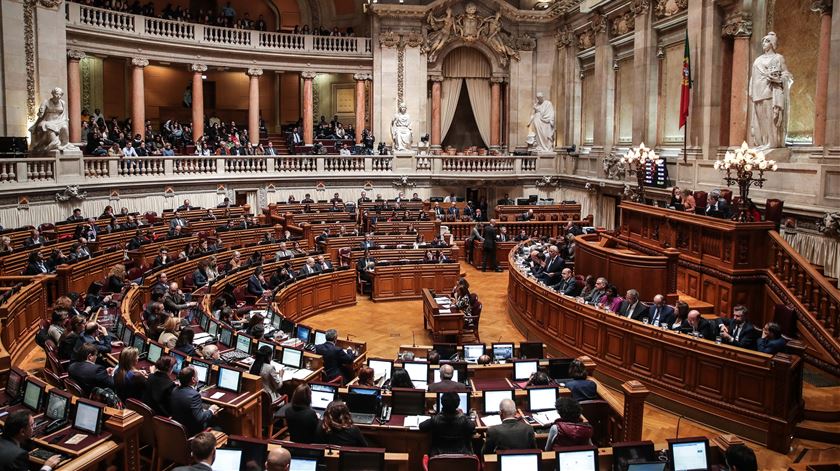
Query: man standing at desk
365	267
334	358
489	245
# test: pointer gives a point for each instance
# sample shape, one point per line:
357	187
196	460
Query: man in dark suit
185	404
36	265
718	206
295	140
365	267
308	268
17	430
334	358
600	290
489	246
322	264
35	238
659	312
307	199
439	212
699	326
568	284
96	335
447	372
453	210
368	243
739	331
631	307
771	340
87	373
187	206
511	434
203	448
505	201
552	267
256	283
76	216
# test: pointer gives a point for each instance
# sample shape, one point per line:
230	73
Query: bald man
699	326
279	459
511	434
446	384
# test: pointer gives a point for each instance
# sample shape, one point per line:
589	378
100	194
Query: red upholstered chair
726	194
73	387
773	211
701	200
597	413
53	379
452	463
147	430
272	428
171	443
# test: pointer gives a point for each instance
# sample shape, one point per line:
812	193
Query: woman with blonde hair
130	382
116	278
169	336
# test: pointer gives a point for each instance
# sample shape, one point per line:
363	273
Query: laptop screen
417	371
626	453
522	370
213	328
202	371
226	337
472	352
541	399
32	394
243	343
229	379
227	458
320	337
577	460
463	402
303	333
13	384
292	358
322	395
690	454
303	464
492	399
155	351
531	350
57	406
87	417
519	462
381	368
502	351
139	343
363	400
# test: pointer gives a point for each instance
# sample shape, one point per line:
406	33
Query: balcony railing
143	27
19	173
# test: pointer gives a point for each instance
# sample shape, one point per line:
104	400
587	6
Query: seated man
17	431
185	404
187	206
97	336
308	268
631	307
771	340
174	300
659	312
568	284
322	264
600	290
336	199
699	326
283	252
203	449
718	207
256	283
739	331
447	372
307	199
76	216
87	373
511	434
365	267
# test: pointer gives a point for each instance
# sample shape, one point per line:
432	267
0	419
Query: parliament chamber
416	235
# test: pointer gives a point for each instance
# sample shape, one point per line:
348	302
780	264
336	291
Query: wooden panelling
408	281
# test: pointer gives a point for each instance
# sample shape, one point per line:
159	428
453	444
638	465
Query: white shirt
129	152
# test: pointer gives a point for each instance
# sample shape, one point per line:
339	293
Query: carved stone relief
666	8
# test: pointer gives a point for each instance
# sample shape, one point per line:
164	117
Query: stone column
832	114
738	26
360	104
138	99
495	111
74	93
823	8
645	71
605	88
254	105
307	77
198	99
434	138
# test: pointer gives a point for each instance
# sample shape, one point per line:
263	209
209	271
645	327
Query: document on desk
218	395
491	420
302	373
546	418
444	311
442	300
76	439
413	421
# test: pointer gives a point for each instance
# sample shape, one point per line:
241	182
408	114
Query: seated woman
569	429
539	379
130	382
116	278
450	430
680	316
688	201
184	343
582	389
337	428
301	419
272	380
463	301
611	301
366	377
401	379
170	332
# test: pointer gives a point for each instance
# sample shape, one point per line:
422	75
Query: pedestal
403	160
546	161
69	166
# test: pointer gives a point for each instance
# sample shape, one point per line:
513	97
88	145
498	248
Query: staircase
278	139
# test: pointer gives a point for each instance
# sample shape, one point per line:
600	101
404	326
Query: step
826	432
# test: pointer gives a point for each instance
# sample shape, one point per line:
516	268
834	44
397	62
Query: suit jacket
771	346
334	358
194	467
640	310
306	270
453	211
156	395
511	434
747	337
319	267
12	456
35	269
554	266
666	314
568	287
185	404
704	327
447	385
255	286
490	233
89	375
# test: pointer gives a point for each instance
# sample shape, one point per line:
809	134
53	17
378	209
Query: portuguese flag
685	96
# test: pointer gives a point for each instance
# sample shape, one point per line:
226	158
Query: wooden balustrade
549	212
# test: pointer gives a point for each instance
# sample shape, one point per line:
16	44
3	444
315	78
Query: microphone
413	341
678	426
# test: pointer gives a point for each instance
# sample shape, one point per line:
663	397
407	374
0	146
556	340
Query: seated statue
50	131
401	129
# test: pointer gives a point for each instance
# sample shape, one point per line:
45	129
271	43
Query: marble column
646	77
605	88
832	113
738	26
138	99
308	123
254	105
823	8
495	111
434	138
360	104
74	93
198	99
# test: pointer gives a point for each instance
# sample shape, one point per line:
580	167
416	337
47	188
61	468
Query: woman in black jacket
300	417
159	386
337	428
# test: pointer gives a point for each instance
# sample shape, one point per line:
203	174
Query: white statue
401	129
770	93
542	125
50	131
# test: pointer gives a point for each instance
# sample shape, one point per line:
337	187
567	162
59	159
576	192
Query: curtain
817	249
466	62
449	93
479	92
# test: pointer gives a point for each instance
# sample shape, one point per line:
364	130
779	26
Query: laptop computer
363	404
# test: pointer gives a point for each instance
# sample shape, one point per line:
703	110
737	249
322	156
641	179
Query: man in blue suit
185	404
334	357
660	313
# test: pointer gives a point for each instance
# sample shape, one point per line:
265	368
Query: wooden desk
440	325
502	251
429	229
316	294
332	245
407	281
753	394
551	212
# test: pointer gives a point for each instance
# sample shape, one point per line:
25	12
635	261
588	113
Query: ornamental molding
198	68
308	75
564	37
623	24
362	77
640	7
254	72
445	26
555	12
413	39
737	24
599	23
76	55
139	62
666	8
389	39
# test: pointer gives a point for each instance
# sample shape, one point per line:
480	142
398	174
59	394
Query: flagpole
685	143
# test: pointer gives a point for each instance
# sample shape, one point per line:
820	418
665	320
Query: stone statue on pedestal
401	129
542	125
770	83
50	131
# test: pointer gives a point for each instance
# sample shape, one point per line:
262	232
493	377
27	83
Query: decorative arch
436	68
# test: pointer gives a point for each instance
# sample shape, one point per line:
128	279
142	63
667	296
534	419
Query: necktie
656	315
737	333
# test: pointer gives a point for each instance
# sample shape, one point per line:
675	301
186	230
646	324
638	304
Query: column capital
640	7
498	79
737	24
308	74
564	37
198	68
139	62
75	55
362	77
436	78
254	72
823	7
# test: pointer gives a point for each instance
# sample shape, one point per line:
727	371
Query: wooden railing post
125	424
635	394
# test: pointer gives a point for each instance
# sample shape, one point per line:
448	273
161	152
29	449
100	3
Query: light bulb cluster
640	156
745	159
